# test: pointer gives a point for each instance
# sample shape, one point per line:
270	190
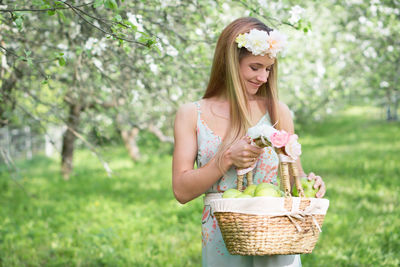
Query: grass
132	219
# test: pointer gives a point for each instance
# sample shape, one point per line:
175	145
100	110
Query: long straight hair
225	80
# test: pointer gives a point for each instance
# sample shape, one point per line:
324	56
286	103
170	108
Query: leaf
118	18
59	3
51	12
61	61
30	62
18	21
111	4
98	3
61	15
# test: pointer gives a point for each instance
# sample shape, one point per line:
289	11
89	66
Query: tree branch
75	10
42	10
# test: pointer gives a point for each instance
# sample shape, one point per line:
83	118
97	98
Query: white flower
90	42
384	84
261	130
295	14
172	51
362	19
293	148
62	47
153	68
277	42
370	52
98	63
262	3
257	42
261	43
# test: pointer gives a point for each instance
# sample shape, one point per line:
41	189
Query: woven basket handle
285	169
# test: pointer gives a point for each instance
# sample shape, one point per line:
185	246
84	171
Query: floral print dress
214	252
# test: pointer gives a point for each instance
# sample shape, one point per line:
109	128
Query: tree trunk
67	153
395	106
8	101
129	137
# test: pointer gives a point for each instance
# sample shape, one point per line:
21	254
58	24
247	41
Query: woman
241	93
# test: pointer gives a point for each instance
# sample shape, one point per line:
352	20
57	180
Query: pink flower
293	148
279	138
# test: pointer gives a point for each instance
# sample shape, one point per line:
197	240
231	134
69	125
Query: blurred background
89	91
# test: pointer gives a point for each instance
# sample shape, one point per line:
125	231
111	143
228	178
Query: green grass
132	219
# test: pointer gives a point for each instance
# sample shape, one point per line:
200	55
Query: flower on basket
293	148
281	140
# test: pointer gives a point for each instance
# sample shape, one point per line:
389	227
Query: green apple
250	190
231	193
264	186
308	187
267	192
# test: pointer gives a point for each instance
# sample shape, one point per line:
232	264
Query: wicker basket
288	231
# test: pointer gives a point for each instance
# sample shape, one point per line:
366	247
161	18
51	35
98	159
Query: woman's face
255	71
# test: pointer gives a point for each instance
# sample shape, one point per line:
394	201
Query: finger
247	139
256	150
311	176
318	182
321	191
250	160
253	155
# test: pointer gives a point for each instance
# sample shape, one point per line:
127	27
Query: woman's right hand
243	154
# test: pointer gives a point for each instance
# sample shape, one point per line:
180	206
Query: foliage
369	32
133	219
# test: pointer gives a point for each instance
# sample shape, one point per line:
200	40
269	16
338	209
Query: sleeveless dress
214	251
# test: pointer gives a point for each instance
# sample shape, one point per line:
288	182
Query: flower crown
261	42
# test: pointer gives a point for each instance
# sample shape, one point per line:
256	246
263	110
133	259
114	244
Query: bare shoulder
187	107
285	117
186	114
284	109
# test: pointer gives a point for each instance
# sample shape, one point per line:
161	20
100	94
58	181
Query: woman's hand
319	183
243	154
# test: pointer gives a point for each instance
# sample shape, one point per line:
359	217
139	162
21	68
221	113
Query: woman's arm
188	183
286	122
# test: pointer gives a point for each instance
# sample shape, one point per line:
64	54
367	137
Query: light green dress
214	252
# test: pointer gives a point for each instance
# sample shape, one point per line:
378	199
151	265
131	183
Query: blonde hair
225	79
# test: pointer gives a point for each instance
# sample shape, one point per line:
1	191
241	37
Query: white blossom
153	68
135	20
98	63
295	14
320	68
90	42
370	52
384	84
172	51
362	20
262	3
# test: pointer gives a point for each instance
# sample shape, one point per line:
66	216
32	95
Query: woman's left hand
319	183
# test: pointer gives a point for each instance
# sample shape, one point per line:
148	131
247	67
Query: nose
262	77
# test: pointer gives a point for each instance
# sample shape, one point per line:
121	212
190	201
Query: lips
255	84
